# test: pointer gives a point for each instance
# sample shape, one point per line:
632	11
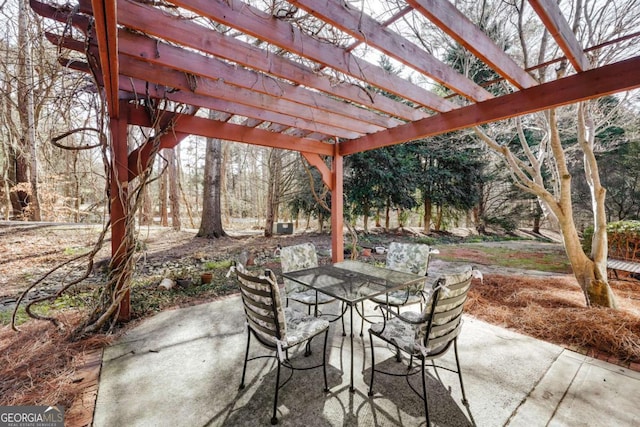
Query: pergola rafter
270	82
365	29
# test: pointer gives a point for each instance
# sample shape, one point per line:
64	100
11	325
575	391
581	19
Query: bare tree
25	200
211	223
273	192
542	169
174	186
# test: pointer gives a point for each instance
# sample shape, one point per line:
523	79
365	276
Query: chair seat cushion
309	297
301	327
397	332
397	298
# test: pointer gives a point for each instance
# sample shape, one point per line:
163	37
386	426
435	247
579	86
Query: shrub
623	239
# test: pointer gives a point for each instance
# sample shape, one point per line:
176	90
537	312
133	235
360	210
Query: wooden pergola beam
317	161
167	137
150	20
362	27
218	95
589	84
253	21
174	57
194	125
446	16
106	19
551	16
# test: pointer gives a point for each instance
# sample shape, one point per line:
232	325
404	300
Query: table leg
351	389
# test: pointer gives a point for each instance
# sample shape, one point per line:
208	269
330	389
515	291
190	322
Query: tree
450	175
618	154
174	195
273	190
553	153
382	179
310	196
211	223
25	194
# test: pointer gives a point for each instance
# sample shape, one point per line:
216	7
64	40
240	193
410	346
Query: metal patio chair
427	335
275	327
408	258
300	257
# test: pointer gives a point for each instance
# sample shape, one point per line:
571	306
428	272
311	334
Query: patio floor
183	368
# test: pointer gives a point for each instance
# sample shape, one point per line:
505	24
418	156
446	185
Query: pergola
271	83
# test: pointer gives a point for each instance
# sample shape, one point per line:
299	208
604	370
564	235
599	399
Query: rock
166	284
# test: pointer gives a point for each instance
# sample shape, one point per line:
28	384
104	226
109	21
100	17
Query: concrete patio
183	368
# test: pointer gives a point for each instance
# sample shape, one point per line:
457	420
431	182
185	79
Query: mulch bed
553	309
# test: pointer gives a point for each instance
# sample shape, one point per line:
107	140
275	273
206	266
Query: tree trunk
537	219
365	217
387	217
427	215
590	274
76	189
211	223
164	208
438	223
224	194
146	212
273	191
320	222
174	193
25	201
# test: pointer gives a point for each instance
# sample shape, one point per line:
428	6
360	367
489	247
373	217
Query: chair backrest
409	258
297	257
444	311
262	306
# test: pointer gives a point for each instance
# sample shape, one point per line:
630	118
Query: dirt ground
549	307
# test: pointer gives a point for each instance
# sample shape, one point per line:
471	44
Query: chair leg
344	331
324	361
373	363
274	419
455	351
424	393
246	358
362	319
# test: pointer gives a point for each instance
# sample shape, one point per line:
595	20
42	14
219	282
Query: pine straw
38	364
553	309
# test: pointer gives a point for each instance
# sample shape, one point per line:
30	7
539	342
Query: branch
55	139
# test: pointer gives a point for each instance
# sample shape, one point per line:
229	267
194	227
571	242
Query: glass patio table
353	282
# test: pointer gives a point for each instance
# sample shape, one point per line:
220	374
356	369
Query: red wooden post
337	208
118	201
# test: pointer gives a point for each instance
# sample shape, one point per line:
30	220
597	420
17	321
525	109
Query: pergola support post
119	209
337	207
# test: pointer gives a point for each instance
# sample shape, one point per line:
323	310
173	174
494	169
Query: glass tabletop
353	281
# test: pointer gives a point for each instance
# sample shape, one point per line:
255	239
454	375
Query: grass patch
215	265
21	316
147	298
551	260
